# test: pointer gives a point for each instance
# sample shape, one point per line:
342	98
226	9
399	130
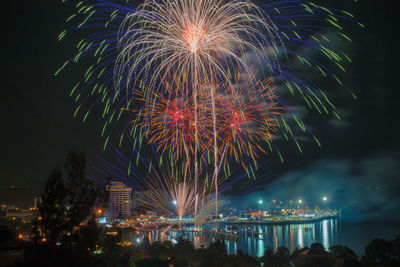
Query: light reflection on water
254	239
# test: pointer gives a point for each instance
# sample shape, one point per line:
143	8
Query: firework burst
172	195
168	190
196	40
244	121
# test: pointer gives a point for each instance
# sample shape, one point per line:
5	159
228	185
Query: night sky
363	150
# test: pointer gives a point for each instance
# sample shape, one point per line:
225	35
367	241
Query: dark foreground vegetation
64	233
91	248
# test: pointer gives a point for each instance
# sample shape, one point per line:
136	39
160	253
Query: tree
279	259
378	252
218	246
8	238
82	193
316	256
66	205
344	256
66	231
396	249
269	258
49	226
317	249
298	252
6	234
182	251
283	255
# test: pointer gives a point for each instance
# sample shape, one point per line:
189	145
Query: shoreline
247	222
282	222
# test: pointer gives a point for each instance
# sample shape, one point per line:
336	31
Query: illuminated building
119	202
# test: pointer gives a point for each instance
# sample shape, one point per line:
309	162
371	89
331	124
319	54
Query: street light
324	198
175	202
260	201
300	201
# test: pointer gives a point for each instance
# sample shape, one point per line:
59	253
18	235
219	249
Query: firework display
197	80
165	190
244	121
193	40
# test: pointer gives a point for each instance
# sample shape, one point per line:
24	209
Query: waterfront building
119	203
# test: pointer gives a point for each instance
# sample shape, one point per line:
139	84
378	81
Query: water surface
254	238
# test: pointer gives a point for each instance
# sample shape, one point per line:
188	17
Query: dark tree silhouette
316	256
381	253
269	258
299	251
50	224
344	256
82	193
8	239
317	249
66	204
66	232
6	234
283	255
279	259
218	246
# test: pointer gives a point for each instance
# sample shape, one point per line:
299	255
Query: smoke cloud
365	190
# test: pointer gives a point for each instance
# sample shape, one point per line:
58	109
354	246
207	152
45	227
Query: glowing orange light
193	35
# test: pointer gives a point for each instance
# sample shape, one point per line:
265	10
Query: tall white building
119	201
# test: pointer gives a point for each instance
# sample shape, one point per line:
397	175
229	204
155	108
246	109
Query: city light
324	198
260	201
300	201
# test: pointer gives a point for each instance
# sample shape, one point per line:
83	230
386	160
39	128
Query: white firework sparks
194	40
